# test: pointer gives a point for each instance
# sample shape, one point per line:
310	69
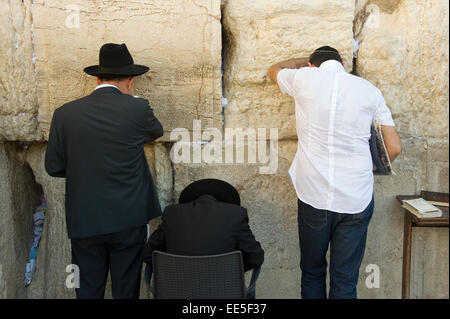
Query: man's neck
110	83
114	84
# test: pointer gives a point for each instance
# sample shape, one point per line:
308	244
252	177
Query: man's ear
130	82
311	65
98	81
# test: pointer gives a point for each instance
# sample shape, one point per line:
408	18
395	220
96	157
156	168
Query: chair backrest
198	277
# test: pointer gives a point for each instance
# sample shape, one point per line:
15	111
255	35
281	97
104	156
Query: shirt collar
332	65
105	85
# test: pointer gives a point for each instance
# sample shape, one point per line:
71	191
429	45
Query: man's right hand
296	63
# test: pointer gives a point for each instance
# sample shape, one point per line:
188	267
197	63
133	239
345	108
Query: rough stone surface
161	169
54	250
19	196
18	100
403	51
184	79
261	33
23	171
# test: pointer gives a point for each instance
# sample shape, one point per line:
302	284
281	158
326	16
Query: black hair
114	78
323	54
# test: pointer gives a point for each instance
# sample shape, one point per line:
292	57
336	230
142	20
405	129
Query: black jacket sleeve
152	126
157	241
252	252
55	158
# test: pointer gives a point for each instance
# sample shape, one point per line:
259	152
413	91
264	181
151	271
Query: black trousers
120	253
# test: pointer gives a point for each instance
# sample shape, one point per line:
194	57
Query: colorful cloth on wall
38	219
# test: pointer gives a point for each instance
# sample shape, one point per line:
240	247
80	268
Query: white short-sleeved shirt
334	110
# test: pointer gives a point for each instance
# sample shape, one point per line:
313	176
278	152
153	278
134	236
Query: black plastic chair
200	277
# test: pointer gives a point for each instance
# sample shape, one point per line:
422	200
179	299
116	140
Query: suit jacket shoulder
98	140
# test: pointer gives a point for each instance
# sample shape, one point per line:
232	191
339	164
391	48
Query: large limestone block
430	265
18	100
179	40
54	251
404	51
437	165
19	196
260	33
11	267
161	169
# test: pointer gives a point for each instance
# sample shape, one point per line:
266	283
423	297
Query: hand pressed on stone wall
295	63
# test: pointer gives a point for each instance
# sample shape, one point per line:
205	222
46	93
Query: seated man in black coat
207	221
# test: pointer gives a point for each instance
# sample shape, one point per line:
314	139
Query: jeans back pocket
314	218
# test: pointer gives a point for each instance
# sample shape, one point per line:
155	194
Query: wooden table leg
407	243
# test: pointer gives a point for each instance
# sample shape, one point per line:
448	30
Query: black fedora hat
220	190
115	60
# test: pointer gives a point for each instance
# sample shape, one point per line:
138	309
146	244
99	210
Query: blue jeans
346	235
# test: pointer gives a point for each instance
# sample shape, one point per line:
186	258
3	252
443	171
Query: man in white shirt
332	171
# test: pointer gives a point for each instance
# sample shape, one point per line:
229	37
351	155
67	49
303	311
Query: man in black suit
97	142
207	221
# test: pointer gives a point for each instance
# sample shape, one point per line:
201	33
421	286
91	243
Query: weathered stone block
19	196
430	264
161	169
404	52
437	165
261	33
18	100
54	252
185	67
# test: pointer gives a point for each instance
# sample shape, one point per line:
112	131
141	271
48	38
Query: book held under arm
381	163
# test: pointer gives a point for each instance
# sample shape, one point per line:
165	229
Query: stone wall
188	45
19	196
18	99
404	52
261	33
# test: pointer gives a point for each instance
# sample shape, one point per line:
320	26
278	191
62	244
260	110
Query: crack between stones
33	46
